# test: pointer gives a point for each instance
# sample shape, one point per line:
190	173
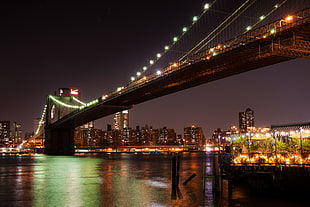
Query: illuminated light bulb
144	77
144	68
248	28
132	78
276	6
175	39
262	17
151	62
289	18
158	55
138	73
184	29
206	6
195	18
272	31
119	88
166	47
158	72
104	97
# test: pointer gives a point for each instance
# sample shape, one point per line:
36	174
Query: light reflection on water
98	180
112	180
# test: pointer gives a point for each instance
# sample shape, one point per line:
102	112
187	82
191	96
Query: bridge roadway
279	41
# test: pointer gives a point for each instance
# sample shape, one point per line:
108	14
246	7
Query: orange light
175	65
289	18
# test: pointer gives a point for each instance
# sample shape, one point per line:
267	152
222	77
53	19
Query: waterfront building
147	135
246	120
17	133
193	135
166	136
221	137
5	129
121	120
86	135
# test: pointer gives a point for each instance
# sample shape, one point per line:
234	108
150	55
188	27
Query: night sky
97	46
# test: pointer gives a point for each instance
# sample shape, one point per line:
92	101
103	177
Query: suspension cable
201	42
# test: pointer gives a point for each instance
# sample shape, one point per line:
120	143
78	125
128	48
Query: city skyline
98	49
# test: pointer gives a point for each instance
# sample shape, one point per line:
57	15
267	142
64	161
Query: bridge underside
291	44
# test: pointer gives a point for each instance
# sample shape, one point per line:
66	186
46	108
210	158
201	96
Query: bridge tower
59	139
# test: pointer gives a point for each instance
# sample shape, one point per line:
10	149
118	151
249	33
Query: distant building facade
121	120
17	133
193	135
5	129
246	120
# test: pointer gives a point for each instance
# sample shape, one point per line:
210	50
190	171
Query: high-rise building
166	136
4	132
193	135
246	120
17	133
121	120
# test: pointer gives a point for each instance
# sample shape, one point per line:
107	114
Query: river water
117	179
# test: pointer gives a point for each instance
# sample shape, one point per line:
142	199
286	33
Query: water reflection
65	181
117	179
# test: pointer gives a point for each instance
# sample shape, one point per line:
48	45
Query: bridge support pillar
59	141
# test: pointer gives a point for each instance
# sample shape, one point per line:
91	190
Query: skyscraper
246	120
17	133
4	132
121	120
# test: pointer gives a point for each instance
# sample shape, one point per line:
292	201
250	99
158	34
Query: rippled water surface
116	179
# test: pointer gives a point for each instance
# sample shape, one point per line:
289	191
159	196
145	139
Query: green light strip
63	104
89	104
77	100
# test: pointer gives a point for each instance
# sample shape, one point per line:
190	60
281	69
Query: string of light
175	39
62	103
42	120
262	17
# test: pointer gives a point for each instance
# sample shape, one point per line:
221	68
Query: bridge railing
263	32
